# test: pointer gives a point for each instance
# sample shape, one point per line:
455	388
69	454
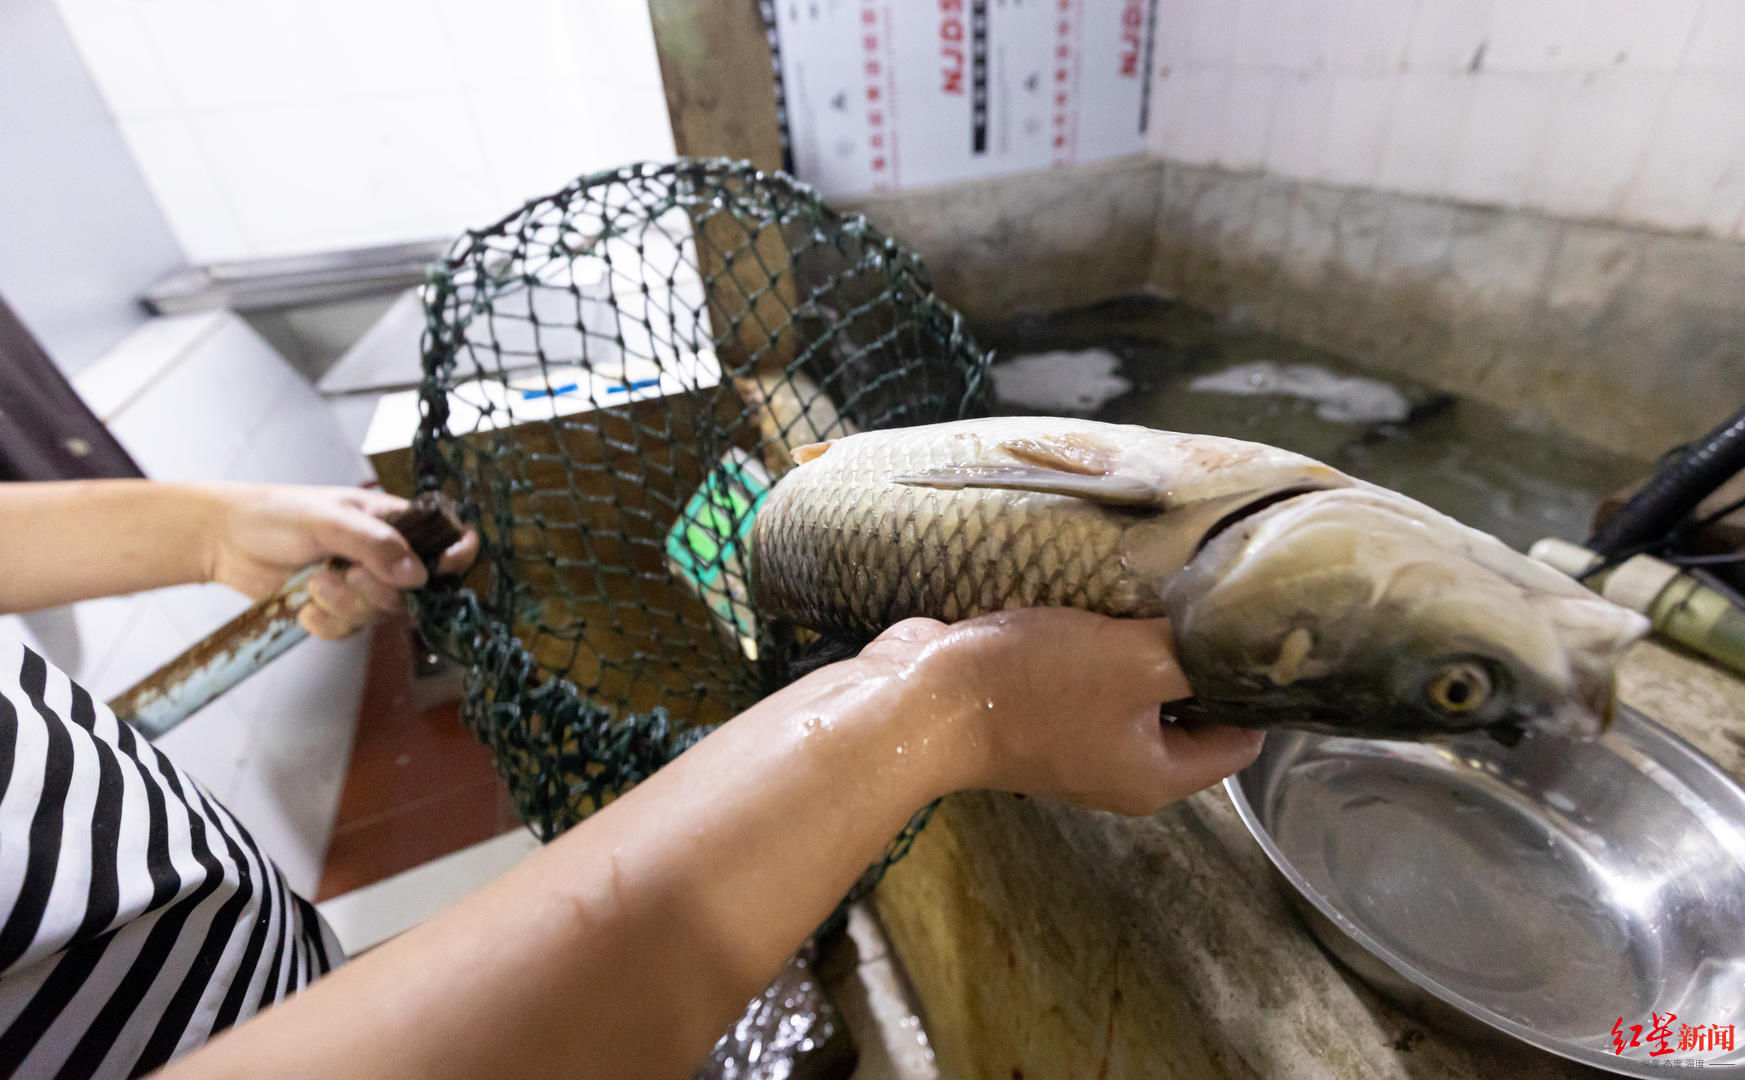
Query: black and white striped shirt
139	916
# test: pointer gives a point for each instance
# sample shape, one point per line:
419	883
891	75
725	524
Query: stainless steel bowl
1543	892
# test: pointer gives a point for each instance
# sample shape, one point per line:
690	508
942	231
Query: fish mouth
1353	722
1588	714
1583	717
1582	720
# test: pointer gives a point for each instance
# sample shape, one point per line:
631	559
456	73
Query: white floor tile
102	624
198	610
295	845
287	790
371	915
14	626
148	641
213	744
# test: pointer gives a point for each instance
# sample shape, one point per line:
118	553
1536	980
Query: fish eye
1459	687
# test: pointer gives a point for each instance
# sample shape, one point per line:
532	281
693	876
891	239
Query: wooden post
720	92
720	88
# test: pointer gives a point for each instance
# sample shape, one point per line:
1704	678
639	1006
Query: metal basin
1543	892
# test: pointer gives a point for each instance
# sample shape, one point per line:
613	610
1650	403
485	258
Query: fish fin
803	454
1086	455
1079	465
1106	488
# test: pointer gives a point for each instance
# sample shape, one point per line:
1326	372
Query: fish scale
831	558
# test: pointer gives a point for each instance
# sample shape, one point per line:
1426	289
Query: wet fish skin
1298	595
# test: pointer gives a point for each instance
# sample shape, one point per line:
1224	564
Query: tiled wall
270	128
80	235
1625	110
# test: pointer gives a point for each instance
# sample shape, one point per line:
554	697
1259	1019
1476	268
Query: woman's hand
266	533
1062	703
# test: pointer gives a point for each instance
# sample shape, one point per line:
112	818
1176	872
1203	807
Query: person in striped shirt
141	928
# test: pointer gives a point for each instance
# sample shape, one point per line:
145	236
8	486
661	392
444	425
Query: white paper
883	95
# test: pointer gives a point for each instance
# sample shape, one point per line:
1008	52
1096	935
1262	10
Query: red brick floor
420	785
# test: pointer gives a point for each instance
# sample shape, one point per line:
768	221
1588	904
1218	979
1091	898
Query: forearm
626	947
62	542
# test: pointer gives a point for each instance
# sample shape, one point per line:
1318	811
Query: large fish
1297	595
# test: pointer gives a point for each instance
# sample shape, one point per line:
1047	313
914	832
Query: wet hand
265	533
1062	703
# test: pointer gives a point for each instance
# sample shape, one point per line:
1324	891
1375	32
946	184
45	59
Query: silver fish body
1298	595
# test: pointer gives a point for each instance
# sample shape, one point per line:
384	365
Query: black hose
1673	492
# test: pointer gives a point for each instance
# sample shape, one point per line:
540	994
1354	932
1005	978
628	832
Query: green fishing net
614	376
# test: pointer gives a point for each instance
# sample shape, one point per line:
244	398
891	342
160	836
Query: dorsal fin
1077	466
803	454
1086	455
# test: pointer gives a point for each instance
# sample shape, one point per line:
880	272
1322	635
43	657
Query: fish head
1359	611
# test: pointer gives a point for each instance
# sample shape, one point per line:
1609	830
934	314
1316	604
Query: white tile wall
1606	109
1446	34
266	128
1357	128
1634	36
1248	118
1299	118
1717	41
195	420
1371	36
110	36
1423	130
1592	146
1205	98
1533	35
1211	34
1693	173
1501	143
